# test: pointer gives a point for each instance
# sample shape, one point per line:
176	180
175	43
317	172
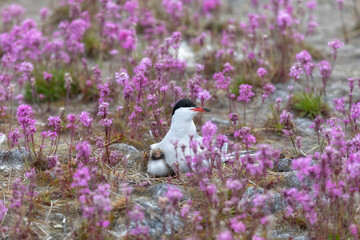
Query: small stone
3	141
284	165
59	216
42	124
6	172
58	226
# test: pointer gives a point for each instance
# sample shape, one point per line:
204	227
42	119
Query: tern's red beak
200	109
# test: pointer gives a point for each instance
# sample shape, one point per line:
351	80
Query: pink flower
237	226
234	184
47	76
136	214
339	104
302	165
335	44
303	57
122	78
221	81
311	5
284	20
325	69
268	89
245	93
83	151
233	118
85	119
173	8
14	137
261	72
44	12
353	229
52	160
3	210
244	134
208	131
81	177
204	96
296	71
55	122
226	235
285	118
174	195
210	5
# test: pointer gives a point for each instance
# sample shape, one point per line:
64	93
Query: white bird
181	131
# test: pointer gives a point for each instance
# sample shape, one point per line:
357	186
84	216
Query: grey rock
5	172
251	191
3	141
158	222
280	235
284	165
155	219
220	122
132	155
277	203
301	238
125	149
292	181
14	158
159	190
303	126
274	205
186	53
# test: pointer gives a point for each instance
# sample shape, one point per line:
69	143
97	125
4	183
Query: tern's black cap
183	103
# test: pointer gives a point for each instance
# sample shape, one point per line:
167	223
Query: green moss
333	236
316	54
92	42
234	87
309	105
53	91
60	14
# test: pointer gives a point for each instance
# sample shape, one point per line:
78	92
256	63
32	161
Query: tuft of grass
309	105
273	121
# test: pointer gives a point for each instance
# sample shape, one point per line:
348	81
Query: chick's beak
200	109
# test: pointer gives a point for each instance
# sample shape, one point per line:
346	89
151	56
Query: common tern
175	145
